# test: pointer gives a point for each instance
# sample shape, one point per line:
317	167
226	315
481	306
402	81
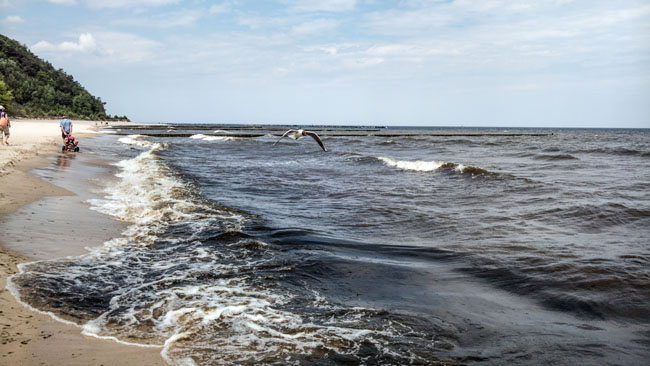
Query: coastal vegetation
31	87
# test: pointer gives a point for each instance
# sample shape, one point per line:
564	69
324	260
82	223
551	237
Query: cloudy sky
582	63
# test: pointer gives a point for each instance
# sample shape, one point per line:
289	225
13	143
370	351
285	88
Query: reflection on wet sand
64	160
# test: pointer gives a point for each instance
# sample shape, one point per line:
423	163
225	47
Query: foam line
13	290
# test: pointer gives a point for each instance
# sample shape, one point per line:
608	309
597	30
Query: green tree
83	104
6	97
36	89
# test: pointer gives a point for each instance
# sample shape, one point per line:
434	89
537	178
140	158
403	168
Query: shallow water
411	246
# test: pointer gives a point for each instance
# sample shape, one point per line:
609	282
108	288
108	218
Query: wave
593	218
417	165
554	157
185	277
622	151
134	140
609	150
388	142
430	166
148	193
211	138
583	287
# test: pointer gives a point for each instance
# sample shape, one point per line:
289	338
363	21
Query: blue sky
579	63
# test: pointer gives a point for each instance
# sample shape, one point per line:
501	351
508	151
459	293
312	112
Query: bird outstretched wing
285	134
315	137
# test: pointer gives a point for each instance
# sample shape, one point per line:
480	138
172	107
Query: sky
544	63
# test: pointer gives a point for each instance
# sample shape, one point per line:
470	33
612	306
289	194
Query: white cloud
316	26
509	35
321	5
13	19
115	4
364	62
413	52
127	48
102	4
329	49
86	44
257	22
425	44
167	20
63	2
100	47
221	8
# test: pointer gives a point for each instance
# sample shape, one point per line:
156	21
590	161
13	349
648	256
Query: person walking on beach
66	127
4	125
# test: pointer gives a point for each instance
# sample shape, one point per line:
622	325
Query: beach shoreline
27	204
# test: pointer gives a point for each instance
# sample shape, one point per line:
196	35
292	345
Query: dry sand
27	204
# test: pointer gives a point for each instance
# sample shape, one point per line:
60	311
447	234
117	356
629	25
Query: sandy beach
33	213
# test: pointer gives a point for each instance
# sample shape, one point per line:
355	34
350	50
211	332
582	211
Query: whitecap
134	140
210	138
416	165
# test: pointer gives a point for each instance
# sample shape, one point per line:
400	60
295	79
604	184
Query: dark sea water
398	246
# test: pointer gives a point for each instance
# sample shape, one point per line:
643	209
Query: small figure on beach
4	125
70	144
66	127
296	134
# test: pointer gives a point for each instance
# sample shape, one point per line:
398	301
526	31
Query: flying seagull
296	134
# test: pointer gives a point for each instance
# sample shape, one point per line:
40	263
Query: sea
397	246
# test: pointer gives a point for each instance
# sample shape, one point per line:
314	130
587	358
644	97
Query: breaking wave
431	166
211	138
185	276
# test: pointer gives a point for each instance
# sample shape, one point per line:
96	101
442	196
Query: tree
6	97
36	89
83	104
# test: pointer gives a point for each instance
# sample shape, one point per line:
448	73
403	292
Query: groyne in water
326	133
160	130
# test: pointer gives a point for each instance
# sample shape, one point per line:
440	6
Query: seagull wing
315	137
285	134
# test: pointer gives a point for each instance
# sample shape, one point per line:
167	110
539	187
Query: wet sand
43	216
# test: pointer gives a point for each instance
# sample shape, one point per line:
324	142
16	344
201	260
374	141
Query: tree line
31	87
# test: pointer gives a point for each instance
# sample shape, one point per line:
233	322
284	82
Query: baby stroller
70	144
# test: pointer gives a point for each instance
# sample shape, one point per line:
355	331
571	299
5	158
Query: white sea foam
13	289
134	140
211	138
217	138
416	165
147	194
430	166
158	296
88	329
